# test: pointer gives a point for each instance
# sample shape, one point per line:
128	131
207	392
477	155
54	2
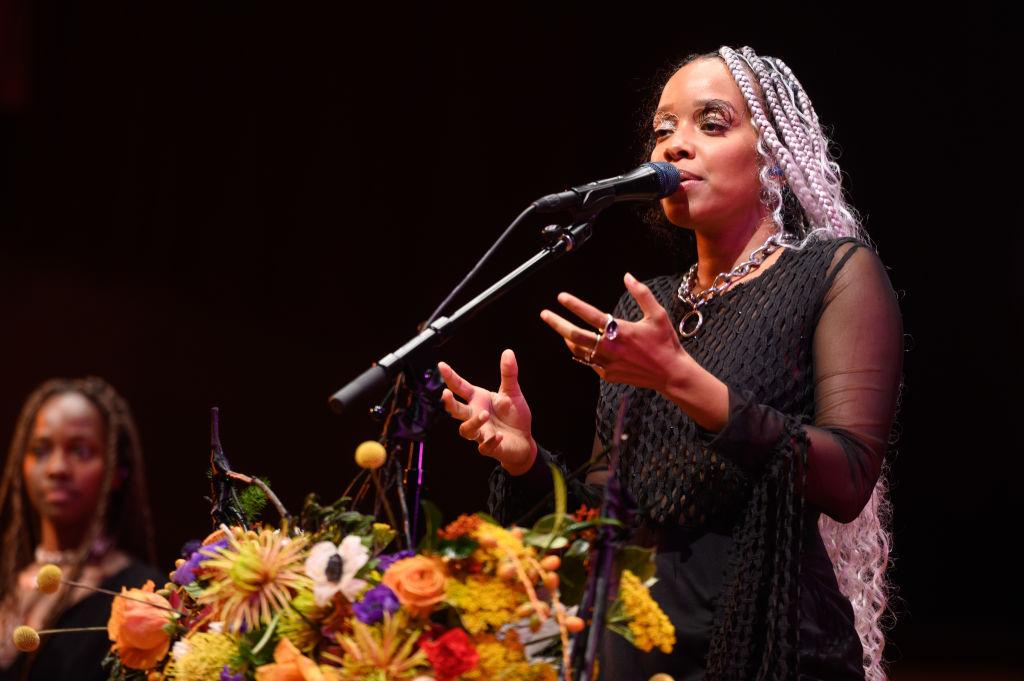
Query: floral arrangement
329	596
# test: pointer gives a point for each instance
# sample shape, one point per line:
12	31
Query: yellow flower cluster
207	654
484	602
506	661
649	625
496	543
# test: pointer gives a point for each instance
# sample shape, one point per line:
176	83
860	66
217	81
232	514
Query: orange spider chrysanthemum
253	577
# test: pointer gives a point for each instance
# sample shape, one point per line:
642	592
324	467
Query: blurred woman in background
74	494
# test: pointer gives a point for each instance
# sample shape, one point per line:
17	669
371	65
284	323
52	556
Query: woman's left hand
646	354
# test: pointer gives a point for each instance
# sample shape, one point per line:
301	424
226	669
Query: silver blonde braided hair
794	150
797	161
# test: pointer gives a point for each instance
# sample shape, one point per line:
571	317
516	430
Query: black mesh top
811	352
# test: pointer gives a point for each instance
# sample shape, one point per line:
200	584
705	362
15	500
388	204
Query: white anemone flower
333	568
180	649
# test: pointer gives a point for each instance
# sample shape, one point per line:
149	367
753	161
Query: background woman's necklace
691	322
98	549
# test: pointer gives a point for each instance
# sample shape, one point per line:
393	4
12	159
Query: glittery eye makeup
713	116
716	115
664	124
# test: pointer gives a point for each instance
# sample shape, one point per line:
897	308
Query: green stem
266	635
117	595
61	631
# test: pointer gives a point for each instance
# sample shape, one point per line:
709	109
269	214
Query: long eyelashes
715	117
712	120
664	130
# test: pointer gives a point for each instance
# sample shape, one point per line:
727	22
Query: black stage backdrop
244	205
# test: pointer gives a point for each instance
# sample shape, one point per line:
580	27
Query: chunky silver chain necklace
691	322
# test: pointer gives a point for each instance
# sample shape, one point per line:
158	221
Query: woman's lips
57	496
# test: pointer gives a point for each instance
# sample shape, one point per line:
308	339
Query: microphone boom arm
374	379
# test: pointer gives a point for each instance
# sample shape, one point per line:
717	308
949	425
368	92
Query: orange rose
291	665
418	582
137	629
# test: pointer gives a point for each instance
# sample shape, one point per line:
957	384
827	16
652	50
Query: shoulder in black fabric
756	336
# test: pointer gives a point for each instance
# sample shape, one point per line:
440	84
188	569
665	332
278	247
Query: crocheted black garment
761	338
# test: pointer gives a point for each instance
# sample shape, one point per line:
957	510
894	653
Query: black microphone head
668	177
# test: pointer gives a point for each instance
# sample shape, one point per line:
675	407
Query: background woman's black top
78	655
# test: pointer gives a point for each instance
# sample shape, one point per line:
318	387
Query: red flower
463	526
451	654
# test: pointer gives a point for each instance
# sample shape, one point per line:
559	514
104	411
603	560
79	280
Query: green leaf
432	518
549	524
560	501
487	519
617	613
636	559
250	655
544	525
596	522
572	576
381	538
544	535
623	631
193	589
547	542
460	548
118	672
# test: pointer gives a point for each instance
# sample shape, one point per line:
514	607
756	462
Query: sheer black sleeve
858	361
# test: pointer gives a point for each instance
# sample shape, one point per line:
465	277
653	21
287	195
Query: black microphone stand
415	395
417	386
562	240
602	583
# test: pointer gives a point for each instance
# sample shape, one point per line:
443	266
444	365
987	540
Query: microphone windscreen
668	178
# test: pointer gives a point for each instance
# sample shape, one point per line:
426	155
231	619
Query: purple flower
388	559
375	603
189	547
227	675
186	574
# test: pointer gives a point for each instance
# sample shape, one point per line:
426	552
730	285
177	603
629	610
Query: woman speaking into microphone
760	388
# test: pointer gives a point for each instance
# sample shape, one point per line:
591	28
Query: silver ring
593	353
584	362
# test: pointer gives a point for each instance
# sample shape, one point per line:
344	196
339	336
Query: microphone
648	182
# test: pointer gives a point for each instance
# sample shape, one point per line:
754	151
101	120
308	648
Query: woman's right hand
499	422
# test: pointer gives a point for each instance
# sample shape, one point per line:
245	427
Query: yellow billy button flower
371	454
26	639
48	578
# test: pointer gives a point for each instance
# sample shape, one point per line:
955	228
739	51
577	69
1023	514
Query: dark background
243	205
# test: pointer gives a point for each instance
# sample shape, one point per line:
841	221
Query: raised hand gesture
646	353
499	422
